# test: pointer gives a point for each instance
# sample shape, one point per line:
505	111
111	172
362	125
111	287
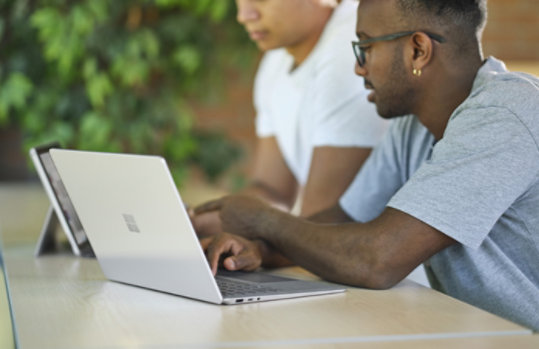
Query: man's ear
421	51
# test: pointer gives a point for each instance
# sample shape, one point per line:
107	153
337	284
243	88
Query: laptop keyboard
233	288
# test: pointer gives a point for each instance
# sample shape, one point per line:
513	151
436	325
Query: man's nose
359	70
246	11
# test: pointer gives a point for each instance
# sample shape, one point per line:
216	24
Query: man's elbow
381	281
372	277
382	273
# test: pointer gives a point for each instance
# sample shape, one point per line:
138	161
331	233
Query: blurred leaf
83	21
2	26
219	9
131	71
95	131
216	154
188	58
98	87
180	149
149	44
116	75
14	94
89	68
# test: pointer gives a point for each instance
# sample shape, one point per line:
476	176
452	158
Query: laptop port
239	300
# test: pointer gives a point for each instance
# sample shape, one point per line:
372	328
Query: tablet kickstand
48	242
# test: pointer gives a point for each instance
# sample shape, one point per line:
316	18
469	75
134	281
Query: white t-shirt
322	102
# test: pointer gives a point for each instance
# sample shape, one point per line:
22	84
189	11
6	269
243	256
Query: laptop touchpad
252	276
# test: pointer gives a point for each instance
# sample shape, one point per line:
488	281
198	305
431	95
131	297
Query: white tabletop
61	301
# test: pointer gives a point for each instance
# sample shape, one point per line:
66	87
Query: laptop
141	233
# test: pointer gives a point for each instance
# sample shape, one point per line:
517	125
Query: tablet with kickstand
61	211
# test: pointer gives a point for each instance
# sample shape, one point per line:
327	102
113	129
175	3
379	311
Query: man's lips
257	35
369	86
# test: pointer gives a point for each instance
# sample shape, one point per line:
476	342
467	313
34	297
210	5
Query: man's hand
237	253
206	224
239	214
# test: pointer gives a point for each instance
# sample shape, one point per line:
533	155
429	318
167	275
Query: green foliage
215	150
119	75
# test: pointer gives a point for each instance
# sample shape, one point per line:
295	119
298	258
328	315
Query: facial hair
395	97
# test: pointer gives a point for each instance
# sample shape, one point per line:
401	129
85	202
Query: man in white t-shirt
314	126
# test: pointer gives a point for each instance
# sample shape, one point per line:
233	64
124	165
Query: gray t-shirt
479	185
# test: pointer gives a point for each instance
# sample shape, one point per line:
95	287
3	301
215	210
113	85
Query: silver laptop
141	233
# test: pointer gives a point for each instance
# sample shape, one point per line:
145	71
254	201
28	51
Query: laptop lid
134	217
141	233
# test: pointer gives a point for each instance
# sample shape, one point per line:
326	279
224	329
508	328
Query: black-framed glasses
359	46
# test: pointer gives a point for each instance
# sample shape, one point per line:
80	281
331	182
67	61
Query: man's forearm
273	259
366	255
362	254
333	214
334	252
269	194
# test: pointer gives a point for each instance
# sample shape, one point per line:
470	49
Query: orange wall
512	31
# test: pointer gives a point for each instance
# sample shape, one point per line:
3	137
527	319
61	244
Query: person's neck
303	49
444	93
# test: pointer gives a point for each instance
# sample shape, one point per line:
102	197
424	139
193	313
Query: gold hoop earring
416	72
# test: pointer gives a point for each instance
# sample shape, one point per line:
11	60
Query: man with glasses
454	185
314	126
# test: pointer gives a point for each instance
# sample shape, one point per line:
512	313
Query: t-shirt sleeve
486	160
404	147
263	121
373	186
344	116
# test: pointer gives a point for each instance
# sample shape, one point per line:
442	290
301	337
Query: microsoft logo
131	224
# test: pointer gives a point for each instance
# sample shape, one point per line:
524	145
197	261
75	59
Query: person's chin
262	40
264	45
386	113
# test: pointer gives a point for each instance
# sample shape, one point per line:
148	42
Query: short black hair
468	16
